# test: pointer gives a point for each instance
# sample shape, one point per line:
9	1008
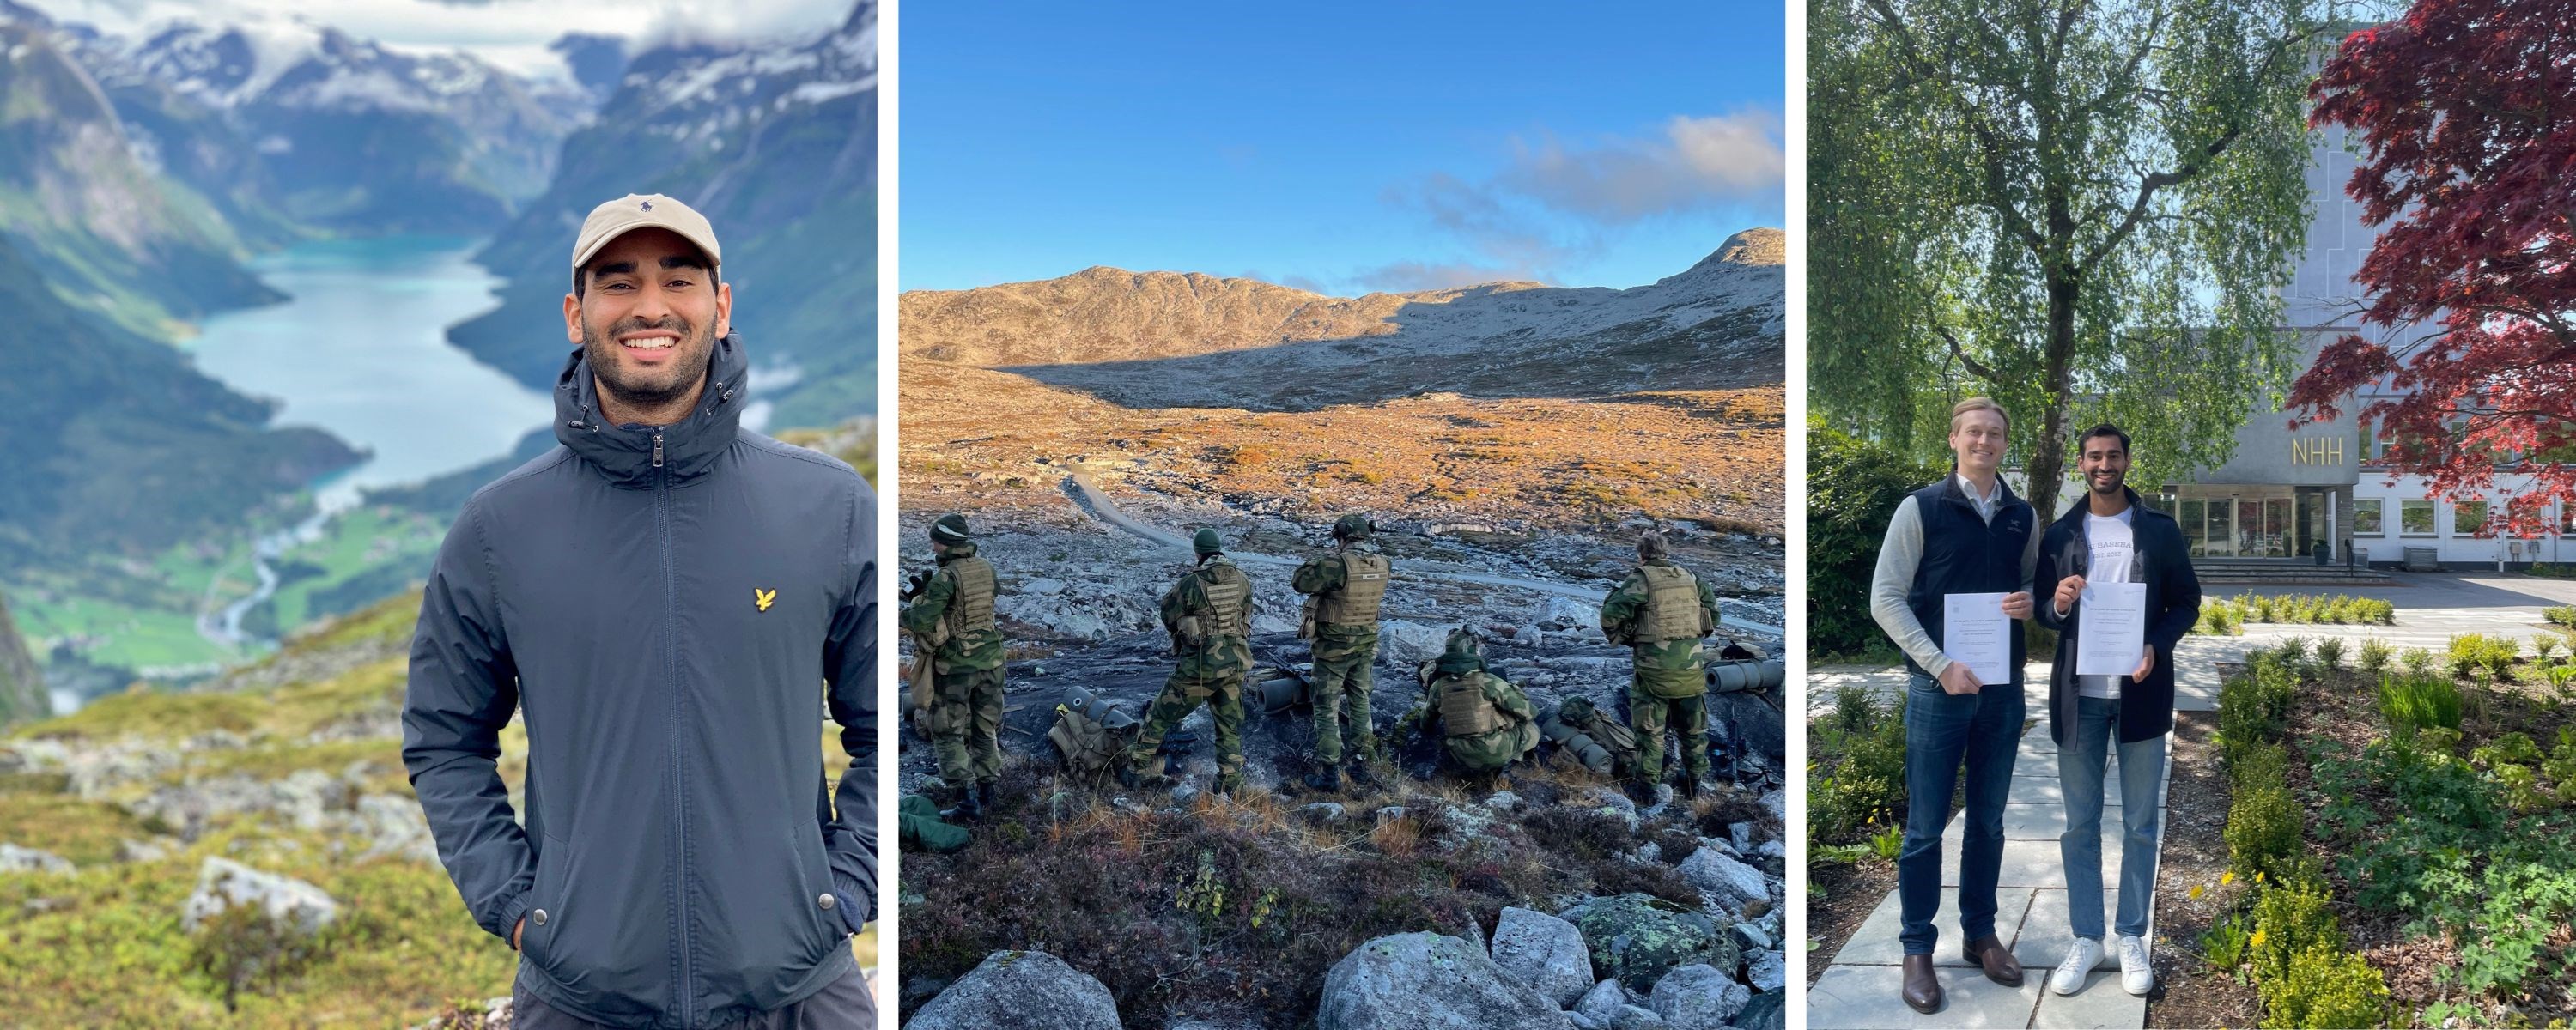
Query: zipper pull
657	448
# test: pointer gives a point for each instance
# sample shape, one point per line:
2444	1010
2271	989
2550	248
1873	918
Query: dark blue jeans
1942	730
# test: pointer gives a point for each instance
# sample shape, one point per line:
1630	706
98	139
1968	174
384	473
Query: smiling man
671	602
2112	538
1966	534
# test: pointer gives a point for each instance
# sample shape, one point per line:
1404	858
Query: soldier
1209	614
954	606
1663	612
1344	590
1486	723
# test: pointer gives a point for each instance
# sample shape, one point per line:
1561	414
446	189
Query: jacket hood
626	454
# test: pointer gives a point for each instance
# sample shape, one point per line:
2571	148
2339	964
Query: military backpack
1091	733
1465	711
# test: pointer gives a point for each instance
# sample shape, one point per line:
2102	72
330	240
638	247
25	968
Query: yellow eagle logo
763	597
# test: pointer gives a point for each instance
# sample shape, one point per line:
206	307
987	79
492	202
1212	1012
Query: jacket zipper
686	990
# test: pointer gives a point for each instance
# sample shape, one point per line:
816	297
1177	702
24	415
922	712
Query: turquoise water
361	352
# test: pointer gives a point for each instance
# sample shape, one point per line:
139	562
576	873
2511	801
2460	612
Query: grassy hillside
103	947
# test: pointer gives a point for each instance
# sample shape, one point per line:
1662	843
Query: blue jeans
1943	730
2079	772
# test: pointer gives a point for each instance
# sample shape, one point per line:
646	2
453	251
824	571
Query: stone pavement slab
1867	998
1875	943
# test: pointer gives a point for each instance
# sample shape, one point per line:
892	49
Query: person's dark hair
2105	429
581	276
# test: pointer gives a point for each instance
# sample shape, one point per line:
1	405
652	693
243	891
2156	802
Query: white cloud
1409	276
1697	162
509	33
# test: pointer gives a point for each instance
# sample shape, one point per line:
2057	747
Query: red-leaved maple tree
2466	115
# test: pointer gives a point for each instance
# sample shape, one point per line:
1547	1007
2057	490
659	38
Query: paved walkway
1860	988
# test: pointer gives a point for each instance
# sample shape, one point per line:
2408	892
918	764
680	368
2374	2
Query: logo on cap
648	205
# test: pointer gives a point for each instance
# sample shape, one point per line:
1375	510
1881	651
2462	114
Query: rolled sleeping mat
1747	674
1278	690
1109	714
1578	745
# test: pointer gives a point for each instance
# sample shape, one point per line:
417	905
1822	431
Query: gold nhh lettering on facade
2317	450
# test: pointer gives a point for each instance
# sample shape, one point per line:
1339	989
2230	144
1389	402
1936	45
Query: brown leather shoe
1989	953
1922	988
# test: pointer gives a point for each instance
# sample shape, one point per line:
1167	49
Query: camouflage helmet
1462	653
1207	543
950	529
1651	544
1352	527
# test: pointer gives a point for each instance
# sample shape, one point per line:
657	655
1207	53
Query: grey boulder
1698	997
1427	981
1027	989
1544	952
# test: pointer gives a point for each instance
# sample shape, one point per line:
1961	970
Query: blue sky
1340	147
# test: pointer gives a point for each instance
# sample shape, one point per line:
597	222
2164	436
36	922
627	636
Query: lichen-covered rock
15	859
1638	938
223	884
1427	981
1697	997
1544	952
1767	971
1027	989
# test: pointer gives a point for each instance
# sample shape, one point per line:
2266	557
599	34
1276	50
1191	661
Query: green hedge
1852	490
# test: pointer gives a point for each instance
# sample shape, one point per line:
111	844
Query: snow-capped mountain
776	144
348	133
1170	339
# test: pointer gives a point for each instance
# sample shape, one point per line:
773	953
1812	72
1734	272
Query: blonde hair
1978	404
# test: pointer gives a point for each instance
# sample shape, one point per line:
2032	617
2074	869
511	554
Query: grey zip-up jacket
673	609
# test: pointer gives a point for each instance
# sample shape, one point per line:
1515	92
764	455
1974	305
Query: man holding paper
2123	594
1953	578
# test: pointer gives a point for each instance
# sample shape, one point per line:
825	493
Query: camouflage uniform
1462	696
1345	645
1671	680
1215	651
966	714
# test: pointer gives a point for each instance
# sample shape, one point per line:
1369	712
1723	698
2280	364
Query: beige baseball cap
643	211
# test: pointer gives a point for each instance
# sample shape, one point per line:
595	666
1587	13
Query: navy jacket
672	609
2173	607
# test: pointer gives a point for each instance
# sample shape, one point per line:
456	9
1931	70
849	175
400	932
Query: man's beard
2118	485
605	354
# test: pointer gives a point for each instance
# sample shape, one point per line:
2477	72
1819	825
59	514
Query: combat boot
1327	780
1691	787
1359	773
969	807
1127	775
988	795
1228	785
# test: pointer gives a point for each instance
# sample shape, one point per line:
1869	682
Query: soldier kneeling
1485	722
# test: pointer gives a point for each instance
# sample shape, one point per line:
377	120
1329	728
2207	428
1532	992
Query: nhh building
2288	492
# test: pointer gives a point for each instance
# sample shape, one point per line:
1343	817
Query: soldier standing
1344	590
954	606
1209	614
1663	612
1486	723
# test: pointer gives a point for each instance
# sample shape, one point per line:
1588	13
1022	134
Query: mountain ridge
1180	339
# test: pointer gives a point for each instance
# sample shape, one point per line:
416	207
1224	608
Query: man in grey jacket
671	602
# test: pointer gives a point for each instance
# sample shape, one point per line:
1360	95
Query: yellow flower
2227	877
2195	892
2258	939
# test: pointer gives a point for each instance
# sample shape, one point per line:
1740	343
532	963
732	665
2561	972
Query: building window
2365	518
2567	518
2415	518
2468	517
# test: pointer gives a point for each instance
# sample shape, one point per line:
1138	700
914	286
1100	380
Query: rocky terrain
246	856
1510	441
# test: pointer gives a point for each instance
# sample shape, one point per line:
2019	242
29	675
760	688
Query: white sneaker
2085	954
2136	972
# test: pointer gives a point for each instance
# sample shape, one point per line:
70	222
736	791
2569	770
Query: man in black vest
1966	534
2112	538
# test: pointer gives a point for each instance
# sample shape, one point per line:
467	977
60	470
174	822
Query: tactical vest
1226	589
970	609
1356	601
1465	711
1672	606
